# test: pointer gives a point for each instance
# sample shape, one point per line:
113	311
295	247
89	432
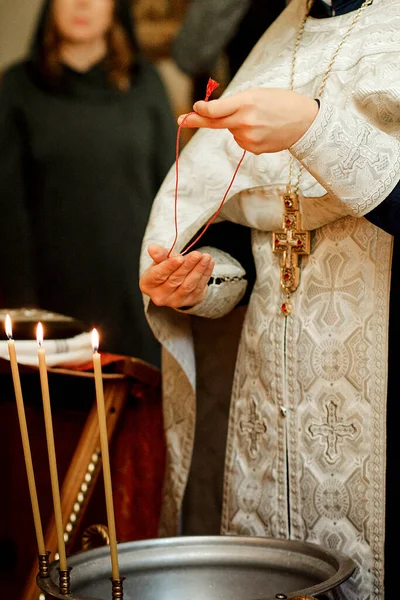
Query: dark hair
120	57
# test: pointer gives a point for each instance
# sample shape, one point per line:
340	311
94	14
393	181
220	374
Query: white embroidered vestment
307	432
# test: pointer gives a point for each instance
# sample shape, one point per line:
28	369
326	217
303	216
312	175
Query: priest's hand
261	120
178	281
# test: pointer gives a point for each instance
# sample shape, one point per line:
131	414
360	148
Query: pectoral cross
291	242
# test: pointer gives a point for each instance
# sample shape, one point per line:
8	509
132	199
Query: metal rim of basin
343	565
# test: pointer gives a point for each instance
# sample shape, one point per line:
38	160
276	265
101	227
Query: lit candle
98	378
25	437
51	448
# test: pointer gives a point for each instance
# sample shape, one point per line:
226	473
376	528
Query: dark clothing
210	27
207	28
321	10
259	15
79	168
387	214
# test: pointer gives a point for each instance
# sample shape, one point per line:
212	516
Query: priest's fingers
192	290
160	294
200	292
191	261
156	275
198	121
216	114
158	253
223	107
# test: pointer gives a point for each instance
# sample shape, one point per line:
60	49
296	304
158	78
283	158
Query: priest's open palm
261	120
178	281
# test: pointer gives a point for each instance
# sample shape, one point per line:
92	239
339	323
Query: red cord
215	215
178	137
210	88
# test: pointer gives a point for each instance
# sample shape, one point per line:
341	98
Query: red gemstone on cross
288	222
288	203
276	242
287	276
299	243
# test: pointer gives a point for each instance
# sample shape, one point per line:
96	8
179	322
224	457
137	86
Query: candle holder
65	580
118	588
43	560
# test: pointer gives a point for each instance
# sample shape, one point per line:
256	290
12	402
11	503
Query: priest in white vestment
316	105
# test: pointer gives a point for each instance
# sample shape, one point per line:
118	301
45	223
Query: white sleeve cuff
226	287
350	158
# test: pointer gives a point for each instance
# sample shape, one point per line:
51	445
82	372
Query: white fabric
327	364
70	352
351	158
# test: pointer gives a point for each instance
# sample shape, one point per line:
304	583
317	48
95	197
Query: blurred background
157	23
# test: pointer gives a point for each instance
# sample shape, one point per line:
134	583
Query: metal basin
206	568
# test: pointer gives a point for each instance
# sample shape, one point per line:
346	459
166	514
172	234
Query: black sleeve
387	214
235	240
17	275
206	29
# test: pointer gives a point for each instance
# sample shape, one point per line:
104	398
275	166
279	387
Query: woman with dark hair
86	137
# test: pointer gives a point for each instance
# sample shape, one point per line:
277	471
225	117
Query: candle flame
39	334
8	327
95	340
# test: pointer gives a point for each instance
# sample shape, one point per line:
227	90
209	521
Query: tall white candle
105	457
51	448
25	437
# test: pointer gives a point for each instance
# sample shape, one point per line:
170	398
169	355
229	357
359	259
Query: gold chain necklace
292	242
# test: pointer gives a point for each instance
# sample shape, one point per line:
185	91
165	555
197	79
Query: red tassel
211	86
